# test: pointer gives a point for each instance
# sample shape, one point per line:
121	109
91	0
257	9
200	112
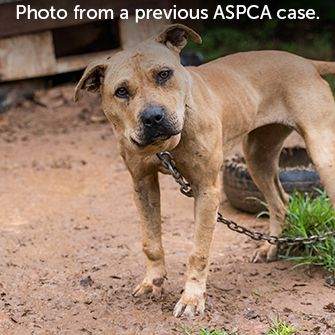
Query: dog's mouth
153	140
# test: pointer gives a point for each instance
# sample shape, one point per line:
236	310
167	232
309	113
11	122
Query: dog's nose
153	116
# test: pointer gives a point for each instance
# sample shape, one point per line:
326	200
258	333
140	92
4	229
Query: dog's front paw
266	253
151	288
190	306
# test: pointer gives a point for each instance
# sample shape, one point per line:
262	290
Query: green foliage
276	328
331	81
214	332
281	328
205	331
308	216
222	40
186	330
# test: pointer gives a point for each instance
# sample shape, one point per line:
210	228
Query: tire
296	173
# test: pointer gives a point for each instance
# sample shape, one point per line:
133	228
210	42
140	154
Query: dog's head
145	90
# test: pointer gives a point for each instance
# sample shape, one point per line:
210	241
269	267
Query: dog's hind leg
317	126
262	149
320	144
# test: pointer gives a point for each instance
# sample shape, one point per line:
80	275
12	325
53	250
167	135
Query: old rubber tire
297	173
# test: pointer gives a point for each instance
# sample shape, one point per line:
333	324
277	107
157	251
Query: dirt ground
70	250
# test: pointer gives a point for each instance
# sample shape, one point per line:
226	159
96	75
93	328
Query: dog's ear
175	36
92	78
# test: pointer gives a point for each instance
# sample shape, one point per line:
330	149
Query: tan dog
199	114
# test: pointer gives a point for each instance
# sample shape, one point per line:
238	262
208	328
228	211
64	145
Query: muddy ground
70	251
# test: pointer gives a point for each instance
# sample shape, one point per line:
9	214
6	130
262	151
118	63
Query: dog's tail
324	67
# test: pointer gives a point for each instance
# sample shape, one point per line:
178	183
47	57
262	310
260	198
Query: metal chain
170	165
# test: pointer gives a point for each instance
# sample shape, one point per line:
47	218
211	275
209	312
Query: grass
276	328
307	216
204	331
281	328
214	332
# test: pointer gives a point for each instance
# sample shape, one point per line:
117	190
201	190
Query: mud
70	251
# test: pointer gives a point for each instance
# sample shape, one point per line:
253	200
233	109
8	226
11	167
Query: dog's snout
153	116
156	124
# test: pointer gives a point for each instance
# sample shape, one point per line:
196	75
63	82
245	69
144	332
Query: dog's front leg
147	198
207	200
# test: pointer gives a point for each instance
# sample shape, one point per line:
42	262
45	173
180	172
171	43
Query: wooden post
26	56
132	33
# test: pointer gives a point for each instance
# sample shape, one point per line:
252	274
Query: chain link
170	165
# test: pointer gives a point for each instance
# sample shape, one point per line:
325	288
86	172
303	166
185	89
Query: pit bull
199	114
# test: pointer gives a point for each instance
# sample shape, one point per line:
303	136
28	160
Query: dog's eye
122	92
164	76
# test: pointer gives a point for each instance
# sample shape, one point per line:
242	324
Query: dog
199	114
